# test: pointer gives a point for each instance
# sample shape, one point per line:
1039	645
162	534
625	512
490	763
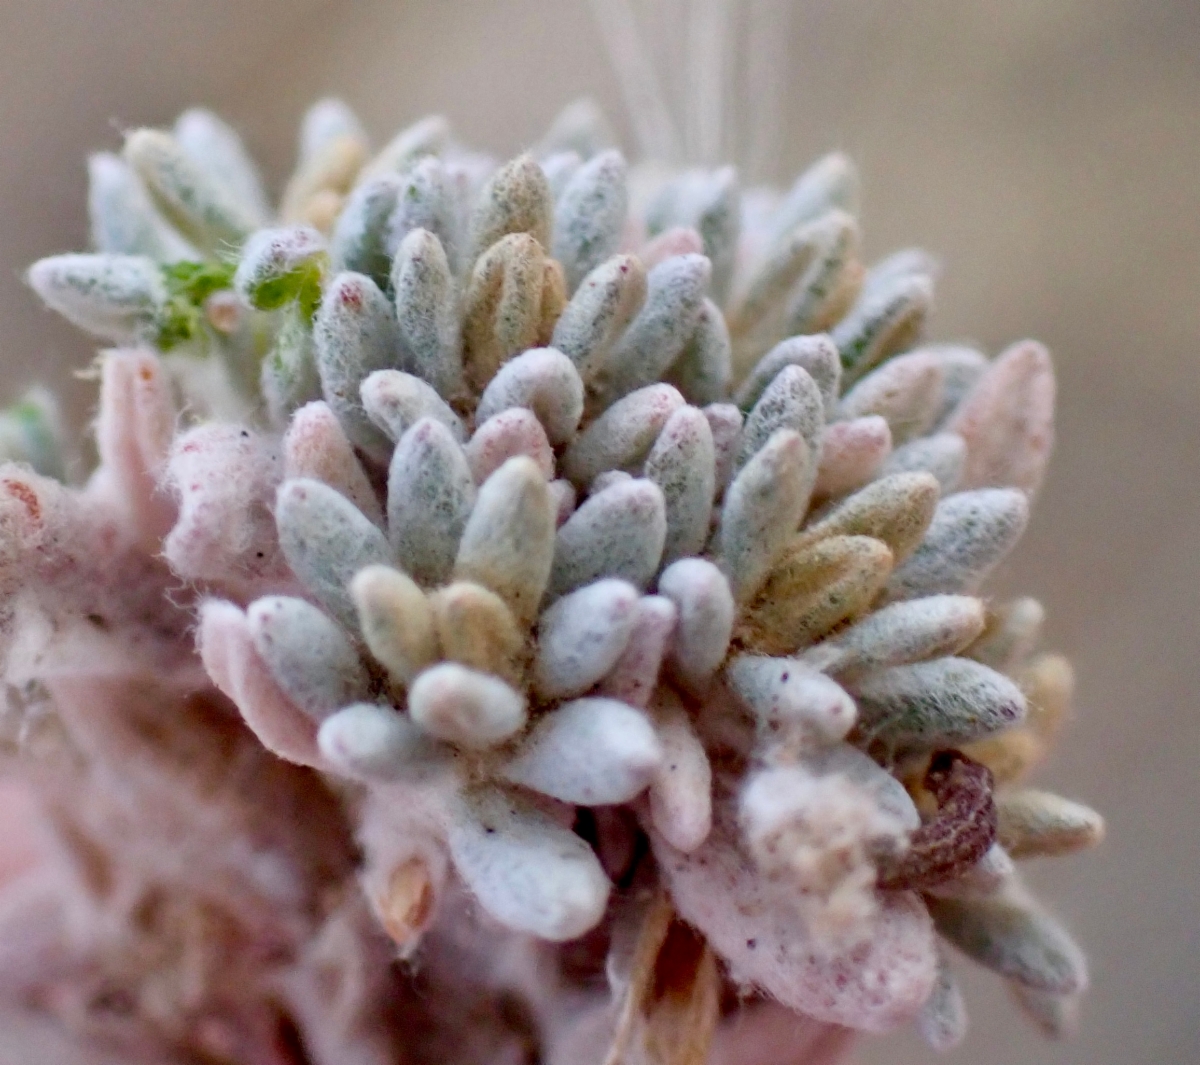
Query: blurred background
1049	152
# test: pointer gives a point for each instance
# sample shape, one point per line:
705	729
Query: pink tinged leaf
315	446
563	497
133	435
725	422
874	986
681	791
681	240
544	381
852	453
635	674
227	650
1007	421
512	432
906	390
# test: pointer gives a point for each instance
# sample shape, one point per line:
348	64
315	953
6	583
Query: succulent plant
583	559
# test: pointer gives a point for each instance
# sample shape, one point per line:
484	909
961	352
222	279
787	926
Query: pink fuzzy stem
133	435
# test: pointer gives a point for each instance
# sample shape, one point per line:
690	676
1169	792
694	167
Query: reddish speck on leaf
350	296
21	491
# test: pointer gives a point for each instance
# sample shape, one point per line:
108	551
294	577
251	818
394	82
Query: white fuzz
683	465
117	297
814	354
618	532
355	335
581	637
396	401
595	521
792	704
634	675
791	401
465	707
525	869
969	536
763	507
590	751
597	315
508	544
706	612
546	382
820	833
946	701
327	540
675	291
431	493
310	656
622	435
681	791
375	743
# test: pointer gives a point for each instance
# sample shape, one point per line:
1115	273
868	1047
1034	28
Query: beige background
1050	151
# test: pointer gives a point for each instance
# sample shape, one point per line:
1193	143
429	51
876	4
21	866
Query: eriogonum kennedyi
606	544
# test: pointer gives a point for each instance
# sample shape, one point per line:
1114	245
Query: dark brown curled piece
958	835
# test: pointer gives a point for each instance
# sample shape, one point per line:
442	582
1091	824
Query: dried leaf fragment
672	1002
958	835
407	906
